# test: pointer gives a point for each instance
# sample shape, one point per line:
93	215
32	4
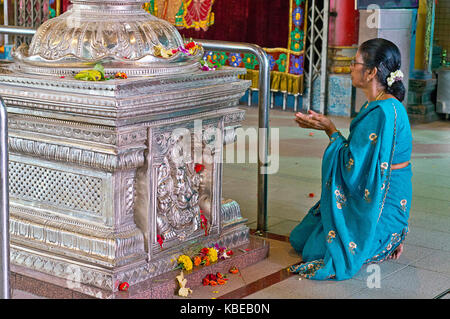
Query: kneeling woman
362	215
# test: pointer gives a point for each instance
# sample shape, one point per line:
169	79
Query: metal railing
5	292
7	29
263	118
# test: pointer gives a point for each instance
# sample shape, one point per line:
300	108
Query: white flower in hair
395	76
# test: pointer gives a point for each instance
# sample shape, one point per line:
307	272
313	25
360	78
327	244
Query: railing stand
5	292
263	118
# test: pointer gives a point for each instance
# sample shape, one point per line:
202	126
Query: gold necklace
379	95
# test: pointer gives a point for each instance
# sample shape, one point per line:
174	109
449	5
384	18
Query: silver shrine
96	170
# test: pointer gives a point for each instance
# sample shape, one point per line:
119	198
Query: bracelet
335	135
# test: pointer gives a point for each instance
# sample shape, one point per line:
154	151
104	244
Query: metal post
311	53
263	105
5	17
324	57
5	292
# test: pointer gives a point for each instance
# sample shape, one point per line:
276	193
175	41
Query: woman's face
358	72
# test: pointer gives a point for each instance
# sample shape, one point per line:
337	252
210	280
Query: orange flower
213	283
206	261
221	281
234	270
197	260
120	75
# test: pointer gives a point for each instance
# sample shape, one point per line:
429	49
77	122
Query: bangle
335	135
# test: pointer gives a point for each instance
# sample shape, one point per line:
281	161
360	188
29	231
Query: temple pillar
342	47
420	106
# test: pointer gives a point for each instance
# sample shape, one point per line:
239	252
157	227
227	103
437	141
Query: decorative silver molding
75	130
108	110
131	159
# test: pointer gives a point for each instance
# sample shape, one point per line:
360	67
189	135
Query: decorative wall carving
178	210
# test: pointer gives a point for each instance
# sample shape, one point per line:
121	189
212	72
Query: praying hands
315	121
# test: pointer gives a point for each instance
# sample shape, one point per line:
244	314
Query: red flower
198	168
160	240
204	224
205	281
124	286
212	277
204	251
189	45
230	253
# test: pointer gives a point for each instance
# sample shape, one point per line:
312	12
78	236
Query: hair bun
397	89
385	56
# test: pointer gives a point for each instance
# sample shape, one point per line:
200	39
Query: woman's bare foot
397	252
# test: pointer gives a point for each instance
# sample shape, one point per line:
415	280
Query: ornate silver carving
231	212
122	36
178	210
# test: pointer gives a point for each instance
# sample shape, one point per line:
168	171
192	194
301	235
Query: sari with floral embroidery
362	215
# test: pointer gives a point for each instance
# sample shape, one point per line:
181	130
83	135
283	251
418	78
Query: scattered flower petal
124	286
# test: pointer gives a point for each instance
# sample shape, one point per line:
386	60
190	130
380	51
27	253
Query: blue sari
362	215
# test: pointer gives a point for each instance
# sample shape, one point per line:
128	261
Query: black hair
385	56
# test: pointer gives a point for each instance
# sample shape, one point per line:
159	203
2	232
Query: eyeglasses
353	62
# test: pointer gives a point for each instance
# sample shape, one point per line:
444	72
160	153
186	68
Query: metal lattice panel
56	188
30	13
317	51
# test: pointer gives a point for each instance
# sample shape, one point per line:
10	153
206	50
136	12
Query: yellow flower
186	262
212	254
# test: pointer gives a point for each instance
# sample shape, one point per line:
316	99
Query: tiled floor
423	271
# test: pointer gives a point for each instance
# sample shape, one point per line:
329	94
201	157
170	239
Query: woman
362	215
